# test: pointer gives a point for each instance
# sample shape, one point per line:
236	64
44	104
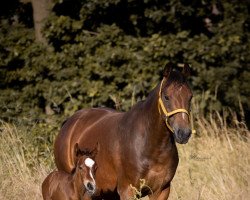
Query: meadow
214	164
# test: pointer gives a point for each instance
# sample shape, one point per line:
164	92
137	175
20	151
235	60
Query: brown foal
79	185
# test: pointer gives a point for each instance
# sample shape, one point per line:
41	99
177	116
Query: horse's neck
154	123
149	122
156	132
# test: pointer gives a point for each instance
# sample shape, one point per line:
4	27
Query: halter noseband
166	113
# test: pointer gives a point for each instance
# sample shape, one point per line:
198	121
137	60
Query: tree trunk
41	10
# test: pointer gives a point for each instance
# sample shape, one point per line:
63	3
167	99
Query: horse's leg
161	195
164	194
125	192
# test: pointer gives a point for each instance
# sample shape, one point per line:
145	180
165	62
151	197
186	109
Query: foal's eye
166	97
80	167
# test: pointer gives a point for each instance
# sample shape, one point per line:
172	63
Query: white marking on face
91	175
183	115
89	162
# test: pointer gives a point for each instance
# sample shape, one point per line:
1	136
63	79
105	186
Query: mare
79	185
137	144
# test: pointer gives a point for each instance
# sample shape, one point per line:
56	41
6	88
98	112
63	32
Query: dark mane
84	152
176	77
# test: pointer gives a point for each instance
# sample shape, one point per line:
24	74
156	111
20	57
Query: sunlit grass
21	173
214	164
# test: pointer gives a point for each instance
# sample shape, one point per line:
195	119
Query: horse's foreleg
125	192
161	195
164	194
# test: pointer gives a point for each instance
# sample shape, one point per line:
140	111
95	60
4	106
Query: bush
100	55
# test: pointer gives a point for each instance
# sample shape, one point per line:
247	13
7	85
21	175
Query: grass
21	173
214	164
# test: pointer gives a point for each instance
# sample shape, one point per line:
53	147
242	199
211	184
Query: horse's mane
176	77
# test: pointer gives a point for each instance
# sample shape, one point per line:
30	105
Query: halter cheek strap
164	110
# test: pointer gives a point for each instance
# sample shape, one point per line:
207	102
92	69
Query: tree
110	52
41	11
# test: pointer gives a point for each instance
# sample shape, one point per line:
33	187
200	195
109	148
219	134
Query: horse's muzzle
182	135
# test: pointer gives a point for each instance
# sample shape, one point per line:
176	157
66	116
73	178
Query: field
214	164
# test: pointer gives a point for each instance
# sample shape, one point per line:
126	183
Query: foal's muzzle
90	187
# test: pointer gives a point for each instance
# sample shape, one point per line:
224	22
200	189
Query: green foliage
110	53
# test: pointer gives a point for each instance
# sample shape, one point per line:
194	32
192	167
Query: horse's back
74	130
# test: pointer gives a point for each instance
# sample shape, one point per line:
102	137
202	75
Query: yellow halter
164	110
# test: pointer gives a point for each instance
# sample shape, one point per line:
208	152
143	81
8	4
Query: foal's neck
78	184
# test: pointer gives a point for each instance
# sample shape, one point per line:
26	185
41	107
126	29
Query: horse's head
85	169
174	102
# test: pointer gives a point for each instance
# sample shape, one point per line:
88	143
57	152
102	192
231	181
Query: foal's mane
85	152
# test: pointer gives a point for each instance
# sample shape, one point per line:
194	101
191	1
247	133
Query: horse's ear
186	70
167	70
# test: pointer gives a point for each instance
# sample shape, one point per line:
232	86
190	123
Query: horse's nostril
182	135
185	132
90	186
188	132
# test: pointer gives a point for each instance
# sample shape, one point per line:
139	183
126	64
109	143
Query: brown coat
80	185
134	145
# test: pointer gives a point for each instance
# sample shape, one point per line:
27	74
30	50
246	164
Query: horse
134	145
80	184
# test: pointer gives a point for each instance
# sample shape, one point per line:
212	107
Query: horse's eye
166	97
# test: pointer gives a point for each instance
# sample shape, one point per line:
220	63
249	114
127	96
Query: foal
79	185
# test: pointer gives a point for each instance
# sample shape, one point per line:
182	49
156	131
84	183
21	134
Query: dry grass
213	165
21	173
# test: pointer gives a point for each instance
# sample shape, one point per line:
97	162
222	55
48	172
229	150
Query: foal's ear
186	70
167	70
77	151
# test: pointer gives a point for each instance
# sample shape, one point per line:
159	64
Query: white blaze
89	162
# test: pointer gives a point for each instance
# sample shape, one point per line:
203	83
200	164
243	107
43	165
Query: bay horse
78	185
137	144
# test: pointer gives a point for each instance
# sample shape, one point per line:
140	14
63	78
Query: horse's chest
160	174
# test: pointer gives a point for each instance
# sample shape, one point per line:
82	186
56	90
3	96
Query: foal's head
174	102
85	169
